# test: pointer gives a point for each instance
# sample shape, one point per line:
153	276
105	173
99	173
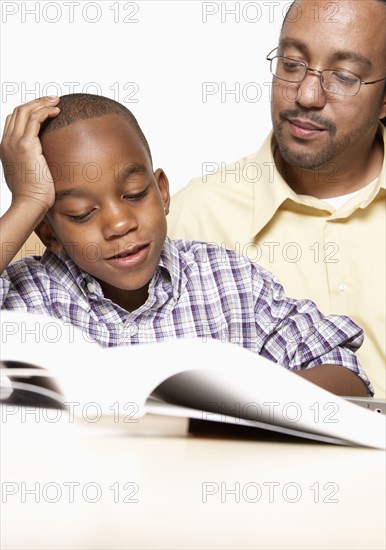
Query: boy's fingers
34	104
5	134
35	120
22	113
7	124
11	123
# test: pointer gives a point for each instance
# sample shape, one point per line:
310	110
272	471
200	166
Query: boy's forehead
93	126
96	137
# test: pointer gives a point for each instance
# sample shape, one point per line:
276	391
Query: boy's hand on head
25	168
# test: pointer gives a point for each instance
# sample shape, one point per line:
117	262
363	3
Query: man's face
109	212
314	128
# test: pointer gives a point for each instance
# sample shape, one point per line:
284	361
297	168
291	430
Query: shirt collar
272	191
72	277
170	262
65	271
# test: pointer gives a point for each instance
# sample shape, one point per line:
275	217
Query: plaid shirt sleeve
297	335
4	287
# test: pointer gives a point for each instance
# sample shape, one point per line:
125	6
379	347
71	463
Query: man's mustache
308	115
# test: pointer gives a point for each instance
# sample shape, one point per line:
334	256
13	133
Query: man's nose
310	93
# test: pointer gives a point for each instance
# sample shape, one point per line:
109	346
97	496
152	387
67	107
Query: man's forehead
343	25
337	13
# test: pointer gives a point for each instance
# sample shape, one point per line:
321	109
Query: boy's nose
118	221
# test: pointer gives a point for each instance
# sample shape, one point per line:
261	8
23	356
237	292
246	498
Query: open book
209	380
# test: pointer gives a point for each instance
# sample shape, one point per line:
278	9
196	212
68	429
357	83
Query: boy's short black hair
75	107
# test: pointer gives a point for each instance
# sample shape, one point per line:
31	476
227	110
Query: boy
81	175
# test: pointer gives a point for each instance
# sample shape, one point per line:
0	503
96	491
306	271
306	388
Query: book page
212	377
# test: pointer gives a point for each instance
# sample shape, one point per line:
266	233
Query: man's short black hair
74	107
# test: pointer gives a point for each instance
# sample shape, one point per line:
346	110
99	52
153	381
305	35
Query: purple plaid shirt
198	290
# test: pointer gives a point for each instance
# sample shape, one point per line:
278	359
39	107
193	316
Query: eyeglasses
333	81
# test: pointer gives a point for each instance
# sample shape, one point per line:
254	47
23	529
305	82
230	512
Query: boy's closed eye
86	214
136	196
81	217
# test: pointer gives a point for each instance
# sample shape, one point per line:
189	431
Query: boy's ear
47	235
163	186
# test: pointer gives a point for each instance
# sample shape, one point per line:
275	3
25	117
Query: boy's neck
130	300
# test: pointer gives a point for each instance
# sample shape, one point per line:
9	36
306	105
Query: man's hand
25	168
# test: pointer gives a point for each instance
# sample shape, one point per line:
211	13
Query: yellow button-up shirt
335	257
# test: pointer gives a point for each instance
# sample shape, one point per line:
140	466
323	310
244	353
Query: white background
184	58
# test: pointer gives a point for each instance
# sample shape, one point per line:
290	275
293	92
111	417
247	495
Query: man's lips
305	124
304	128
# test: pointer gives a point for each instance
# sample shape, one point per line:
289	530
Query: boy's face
110	209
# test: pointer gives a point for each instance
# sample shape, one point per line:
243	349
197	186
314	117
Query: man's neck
340	177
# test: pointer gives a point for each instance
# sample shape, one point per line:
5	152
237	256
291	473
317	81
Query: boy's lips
131	256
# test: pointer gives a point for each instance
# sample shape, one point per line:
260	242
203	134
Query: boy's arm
335	379
26	173
295	334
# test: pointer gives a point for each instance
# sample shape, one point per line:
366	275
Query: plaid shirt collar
168	269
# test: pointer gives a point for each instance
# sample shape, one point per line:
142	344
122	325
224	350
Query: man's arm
27	175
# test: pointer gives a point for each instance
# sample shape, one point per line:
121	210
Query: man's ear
163	186
47	235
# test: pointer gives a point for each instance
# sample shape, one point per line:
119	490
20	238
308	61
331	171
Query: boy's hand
25	168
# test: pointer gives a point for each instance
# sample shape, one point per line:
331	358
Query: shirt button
91	288
342	287
131	328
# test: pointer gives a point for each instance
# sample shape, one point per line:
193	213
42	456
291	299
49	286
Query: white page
126	376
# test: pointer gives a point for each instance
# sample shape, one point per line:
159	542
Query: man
310	205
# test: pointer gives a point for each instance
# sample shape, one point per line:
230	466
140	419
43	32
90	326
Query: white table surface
181	491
